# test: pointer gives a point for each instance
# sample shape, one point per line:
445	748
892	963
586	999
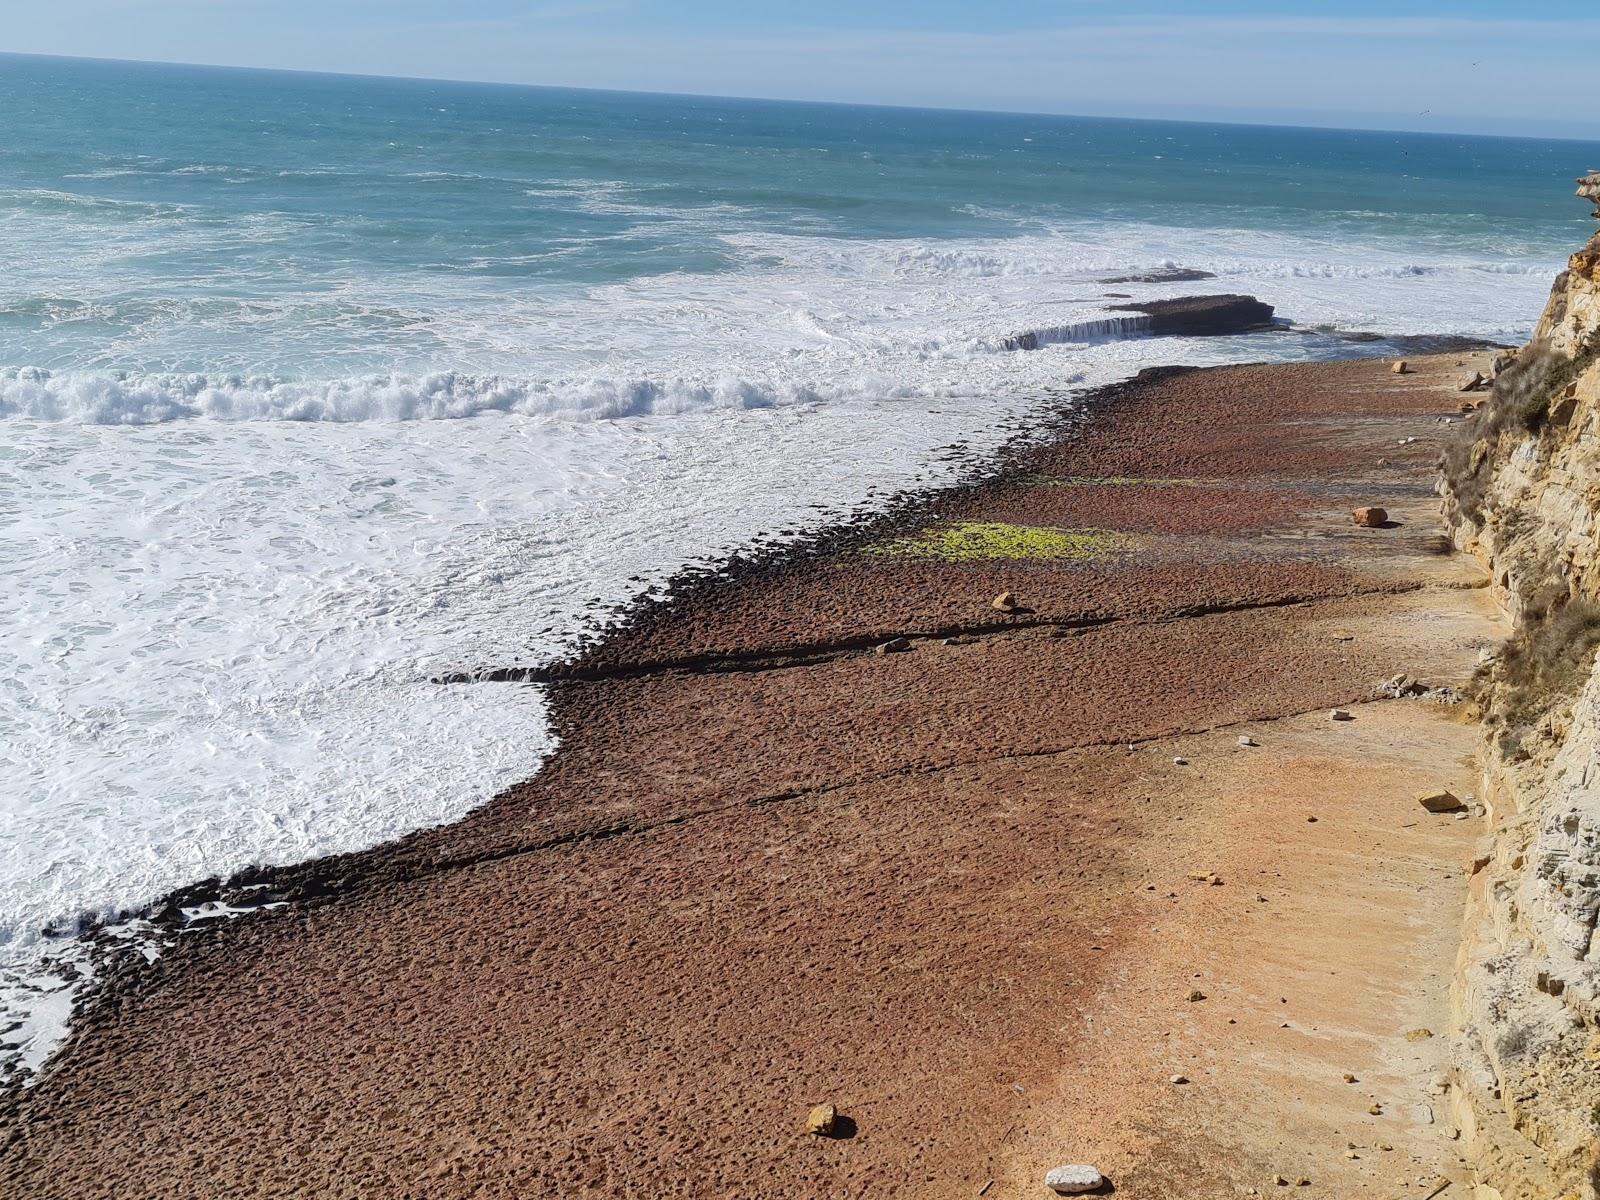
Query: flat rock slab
1074	1180
742	886
1203	316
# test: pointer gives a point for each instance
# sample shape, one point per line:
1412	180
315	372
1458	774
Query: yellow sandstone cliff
1521	491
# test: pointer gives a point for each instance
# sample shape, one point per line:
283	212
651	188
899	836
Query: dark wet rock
1203	316
1163	275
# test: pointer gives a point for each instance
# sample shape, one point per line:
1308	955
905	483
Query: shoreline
1253	555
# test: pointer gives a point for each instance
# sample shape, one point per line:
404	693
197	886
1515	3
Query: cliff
1521	489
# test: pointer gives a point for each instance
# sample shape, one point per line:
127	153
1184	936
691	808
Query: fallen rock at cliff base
1074	1179
1440	801
1370	517
1004	602
897	645
822	1120
1472	383
1401	368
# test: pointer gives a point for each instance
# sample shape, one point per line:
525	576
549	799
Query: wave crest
100	398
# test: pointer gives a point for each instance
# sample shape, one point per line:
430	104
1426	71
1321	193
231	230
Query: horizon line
687	95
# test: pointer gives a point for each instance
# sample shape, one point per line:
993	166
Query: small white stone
1074	1179
1180	762
1340	714
1247	740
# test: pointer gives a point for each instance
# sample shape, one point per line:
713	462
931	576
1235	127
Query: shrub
1519	404
1547	661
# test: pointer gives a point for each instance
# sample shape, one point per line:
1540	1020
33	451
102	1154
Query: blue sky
1471	66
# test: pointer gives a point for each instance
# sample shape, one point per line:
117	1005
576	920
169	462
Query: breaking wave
103	398
1099	329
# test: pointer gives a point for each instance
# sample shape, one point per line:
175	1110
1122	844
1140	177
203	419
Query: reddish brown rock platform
946	890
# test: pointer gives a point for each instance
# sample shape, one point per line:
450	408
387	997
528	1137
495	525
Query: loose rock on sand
822	1120
1074	1179
1441	800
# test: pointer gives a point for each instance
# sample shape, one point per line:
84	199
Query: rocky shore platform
1016	825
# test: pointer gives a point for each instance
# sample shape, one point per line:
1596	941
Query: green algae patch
980	541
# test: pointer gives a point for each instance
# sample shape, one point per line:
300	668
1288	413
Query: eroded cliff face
1521	491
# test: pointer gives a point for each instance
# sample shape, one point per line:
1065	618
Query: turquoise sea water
315	388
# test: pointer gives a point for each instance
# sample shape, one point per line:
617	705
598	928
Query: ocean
316	388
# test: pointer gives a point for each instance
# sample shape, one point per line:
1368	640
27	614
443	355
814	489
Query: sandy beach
990	889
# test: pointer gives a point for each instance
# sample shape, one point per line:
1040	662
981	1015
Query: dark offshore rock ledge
1203	316
1186	316
1162	275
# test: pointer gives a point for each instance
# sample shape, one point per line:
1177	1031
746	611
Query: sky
1470	66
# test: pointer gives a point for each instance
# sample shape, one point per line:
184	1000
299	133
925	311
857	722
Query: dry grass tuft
1547	662
1519	405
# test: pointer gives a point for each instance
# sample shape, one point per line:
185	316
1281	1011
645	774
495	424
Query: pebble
1073	1179
1247	740
1196	996
1180	1079
1341	714
1180	762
